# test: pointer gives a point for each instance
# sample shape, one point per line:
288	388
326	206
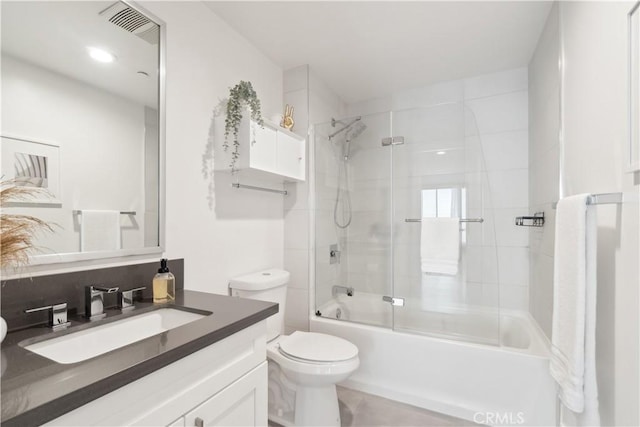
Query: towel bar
251	187
461	220
78	212
601	199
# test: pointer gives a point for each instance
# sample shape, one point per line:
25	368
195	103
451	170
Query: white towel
440	245
574	308
99	230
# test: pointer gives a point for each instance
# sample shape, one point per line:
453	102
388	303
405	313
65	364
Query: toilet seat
312	347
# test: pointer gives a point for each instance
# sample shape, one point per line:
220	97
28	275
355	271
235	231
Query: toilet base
295	405
317	406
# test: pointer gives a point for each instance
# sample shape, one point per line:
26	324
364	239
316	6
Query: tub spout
342	290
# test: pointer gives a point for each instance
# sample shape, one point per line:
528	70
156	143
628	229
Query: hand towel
99	230
574	308
440	245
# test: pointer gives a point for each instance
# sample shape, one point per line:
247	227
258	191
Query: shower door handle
394	301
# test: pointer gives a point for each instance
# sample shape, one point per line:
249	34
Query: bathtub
505	382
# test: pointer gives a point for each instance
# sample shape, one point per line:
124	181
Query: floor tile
362	409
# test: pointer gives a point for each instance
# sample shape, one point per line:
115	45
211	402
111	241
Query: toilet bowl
312	364
304	367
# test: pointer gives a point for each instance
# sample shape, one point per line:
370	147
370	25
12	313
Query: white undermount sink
92	342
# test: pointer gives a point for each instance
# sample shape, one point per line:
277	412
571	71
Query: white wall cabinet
267	151
223	384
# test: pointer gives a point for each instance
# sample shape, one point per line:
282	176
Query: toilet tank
267	285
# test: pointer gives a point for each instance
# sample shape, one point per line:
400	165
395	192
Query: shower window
443	202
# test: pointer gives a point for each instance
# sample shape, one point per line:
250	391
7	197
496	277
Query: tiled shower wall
544	164
495	121
313	102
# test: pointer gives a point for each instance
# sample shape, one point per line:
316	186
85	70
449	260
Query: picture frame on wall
632	148
32	164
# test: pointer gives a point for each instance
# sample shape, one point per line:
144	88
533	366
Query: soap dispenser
164	284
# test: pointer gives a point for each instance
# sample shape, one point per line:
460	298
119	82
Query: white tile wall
497	118
500	113
492	112
544	116
313	103
496	84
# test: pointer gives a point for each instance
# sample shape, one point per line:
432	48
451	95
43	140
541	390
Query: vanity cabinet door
243	403
291	156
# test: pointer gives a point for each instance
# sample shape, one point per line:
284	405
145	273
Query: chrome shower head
355	131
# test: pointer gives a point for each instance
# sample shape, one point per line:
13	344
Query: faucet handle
104	289
57	315
125	298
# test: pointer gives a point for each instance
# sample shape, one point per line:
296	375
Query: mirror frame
71	257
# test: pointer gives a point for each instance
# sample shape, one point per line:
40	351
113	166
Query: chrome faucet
94	301
342	290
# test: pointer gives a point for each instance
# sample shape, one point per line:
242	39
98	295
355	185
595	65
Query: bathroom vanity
210	371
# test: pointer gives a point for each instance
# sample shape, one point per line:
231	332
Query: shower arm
345	127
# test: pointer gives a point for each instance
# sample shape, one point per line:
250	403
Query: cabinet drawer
243	403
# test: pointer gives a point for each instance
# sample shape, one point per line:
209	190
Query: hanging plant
240	96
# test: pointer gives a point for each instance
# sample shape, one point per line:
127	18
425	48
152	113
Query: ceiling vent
132	21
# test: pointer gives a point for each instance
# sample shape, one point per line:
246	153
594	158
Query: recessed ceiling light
101	55
440	153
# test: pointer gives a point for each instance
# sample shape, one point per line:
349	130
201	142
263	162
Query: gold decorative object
287	120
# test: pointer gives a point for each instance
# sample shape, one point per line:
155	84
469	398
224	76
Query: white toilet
304	367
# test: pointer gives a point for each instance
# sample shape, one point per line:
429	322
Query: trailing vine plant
240	95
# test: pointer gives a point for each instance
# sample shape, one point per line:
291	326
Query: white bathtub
504	384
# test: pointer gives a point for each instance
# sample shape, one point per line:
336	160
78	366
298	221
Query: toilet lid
318	347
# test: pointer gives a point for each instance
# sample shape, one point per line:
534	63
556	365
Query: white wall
314	103
544	162
243	230
499	103
101	155
296	208
595	129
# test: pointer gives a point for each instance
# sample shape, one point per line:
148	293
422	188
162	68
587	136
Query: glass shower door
437	172
353	219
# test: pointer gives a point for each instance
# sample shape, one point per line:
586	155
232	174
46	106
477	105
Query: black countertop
36	390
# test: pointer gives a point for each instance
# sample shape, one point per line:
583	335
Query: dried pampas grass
18	231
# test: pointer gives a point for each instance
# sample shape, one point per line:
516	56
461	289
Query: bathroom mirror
83	120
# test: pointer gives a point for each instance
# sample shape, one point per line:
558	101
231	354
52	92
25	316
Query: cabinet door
291	157
242	403
262	151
